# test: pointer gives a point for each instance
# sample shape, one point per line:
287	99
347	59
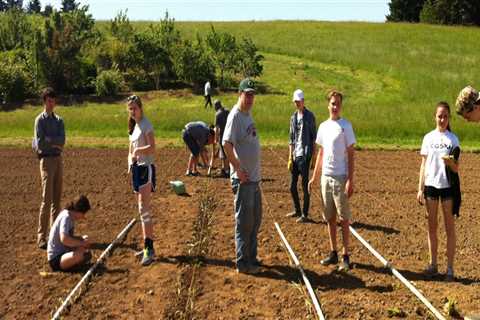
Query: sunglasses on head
133	98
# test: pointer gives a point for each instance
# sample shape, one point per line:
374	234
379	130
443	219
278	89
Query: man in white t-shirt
335	161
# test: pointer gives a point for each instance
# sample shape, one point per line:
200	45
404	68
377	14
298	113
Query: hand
420	197
242	176
349	188
86	241
448	161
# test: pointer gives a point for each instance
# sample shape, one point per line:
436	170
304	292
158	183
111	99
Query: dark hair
217	105
48	92
443	104
80	204
131	122
335	93
211	130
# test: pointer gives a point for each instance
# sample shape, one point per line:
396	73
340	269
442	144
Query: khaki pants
51	174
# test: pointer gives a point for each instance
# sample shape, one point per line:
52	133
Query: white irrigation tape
397	274
90	271
312	294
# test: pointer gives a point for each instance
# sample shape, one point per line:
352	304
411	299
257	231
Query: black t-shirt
221	120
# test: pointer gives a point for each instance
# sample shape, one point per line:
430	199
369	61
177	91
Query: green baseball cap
246	85
467	99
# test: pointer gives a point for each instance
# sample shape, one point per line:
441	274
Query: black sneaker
293	214
331	259
345	265
42	244
302	219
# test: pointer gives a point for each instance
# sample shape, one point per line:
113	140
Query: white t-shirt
299	129
139	139
63	224
335	136
435	145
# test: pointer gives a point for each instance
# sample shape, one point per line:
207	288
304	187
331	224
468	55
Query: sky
238	10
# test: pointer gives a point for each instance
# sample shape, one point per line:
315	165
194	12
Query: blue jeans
248	217
301	166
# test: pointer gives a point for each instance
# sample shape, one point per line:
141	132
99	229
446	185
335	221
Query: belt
41	156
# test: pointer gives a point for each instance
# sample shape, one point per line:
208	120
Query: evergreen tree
405	10
69	5
34	6
48	10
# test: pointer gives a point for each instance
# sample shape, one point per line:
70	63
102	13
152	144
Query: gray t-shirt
240	131
139	139
63	224
199	131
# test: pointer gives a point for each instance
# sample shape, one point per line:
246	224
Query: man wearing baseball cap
468	104
303	131
242	147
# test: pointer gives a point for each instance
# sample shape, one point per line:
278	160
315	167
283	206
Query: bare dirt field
194	276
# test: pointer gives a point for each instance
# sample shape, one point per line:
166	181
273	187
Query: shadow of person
387	230
412	275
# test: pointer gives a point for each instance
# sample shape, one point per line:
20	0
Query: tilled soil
203	284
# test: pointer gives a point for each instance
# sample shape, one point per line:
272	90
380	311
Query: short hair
211	130
80	204
48	92
335	93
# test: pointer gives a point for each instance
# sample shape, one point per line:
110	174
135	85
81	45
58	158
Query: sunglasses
133	98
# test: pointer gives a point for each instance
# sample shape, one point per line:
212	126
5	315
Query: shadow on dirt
415	275
387	230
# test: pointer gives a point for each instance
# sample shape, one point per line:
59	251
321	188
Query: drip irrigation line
89	273
395	272
297	263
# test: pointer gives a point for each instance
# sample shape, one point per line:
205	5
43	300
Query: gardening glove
290	164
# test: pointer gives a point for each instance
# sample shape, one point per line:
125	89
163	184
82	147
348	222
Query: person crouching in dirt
196	136
336	163
242	148
468	104
438	180
141	153
221	116
64	249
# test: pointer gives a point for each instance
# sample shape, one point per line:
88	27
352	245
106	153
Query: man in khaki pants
48	142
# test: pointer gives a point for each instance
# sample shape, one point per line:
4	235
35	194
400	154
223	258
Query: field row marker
310	290
398	275
90	271
387	264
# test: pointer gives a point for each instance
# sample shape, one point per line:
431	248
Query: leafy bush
15	80
109	83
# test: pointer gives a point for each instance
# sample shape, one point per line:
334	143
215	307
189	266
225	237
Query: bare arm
73	242
318	168
351	170
147	149
242	175
421	181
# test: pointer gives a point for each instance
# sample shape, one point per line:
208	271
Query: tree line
449	12
66	50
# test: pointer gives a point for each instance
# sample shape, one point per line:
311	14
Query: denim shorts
142	175
433	193
55	263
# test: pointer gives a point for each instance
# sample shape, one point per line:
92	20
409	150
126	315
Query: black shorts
434	193
55	263
142	175
191	143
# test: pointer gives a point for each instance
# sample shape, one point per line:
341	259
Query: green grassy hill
392	76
